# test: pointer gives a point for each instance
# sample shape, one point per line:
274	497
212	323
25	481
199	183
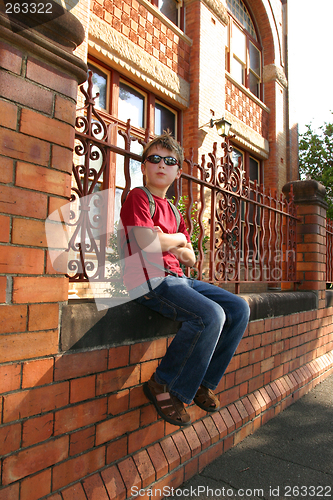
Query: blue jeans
213	323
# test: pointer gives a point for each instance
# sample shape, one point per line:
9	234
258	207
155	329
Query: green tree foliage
316	159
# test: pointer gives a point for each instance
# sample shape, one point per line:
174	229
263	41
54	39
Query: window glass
131	105
135	166
227	48
238	71
237	158
117	205
165	119
254	170
241	13
99	80
254	59
239	58
170	9
95	164
254	84
239	43
255	72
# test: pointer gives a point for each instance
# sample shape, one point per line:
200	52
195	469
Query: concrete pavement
291	457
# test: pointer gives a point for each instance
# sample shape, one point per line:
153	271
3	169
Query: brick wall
74	423
275	167
36	141
37	109
77	425
190	118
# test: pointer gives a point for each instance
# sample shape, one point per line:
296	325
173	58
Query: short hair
168	142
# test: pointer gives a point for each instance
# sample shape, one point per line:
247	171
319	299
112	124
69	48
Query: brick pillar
311	235
39	76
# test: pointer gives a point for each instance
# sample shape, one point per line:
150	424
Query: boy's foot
206	399
167	405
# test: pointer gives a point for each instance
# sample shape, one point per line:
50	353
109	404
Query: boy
213	320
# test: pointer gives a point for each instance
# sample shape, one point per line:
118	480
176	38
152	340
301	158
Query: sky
310	34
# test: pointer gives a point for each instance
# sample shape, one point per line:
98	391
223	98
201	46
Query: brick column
39	76
311	235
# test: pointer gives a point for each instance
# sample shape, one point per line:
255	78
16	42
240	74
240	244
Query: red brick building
74	421
178	65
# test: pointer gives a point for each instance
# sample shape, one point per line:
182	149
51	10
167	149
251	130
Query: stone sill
84	327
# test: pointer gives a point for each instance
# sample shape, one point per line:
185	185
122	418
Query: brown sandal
167	405
206	399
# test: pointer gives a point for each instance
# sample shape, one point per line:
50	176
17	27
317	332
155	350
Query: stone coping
85	327
329	298
306	192
52	38
273	304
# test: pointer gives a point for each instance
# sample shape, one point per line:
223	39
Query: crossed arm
154	240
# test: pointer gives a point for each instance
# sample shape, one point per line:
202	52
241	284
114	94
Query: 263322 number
28	8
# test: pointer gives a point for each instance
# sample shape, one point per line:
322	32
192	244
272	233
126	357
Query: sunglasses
168	160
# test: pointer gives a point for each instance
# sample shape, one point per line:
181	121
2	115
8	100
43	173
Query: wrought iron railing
252	233
329	251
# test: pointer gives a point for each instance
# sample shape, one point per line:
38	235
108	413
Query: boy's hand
176	240
155	240
185	255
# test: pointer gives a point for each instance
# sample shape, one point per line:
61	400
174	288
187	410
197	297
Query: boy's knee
217	315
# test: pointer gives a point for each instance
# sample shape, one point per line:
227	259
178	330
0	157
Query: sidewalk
291	457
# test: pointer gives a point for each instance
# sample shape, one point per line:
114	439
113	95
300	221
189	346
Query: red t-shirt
136	212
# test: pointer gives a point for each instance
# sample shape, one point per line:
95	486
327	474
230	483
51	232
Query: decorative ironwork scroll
89	206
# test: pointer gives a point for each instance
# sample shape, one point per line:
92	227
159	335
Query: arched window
240	12
243	51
